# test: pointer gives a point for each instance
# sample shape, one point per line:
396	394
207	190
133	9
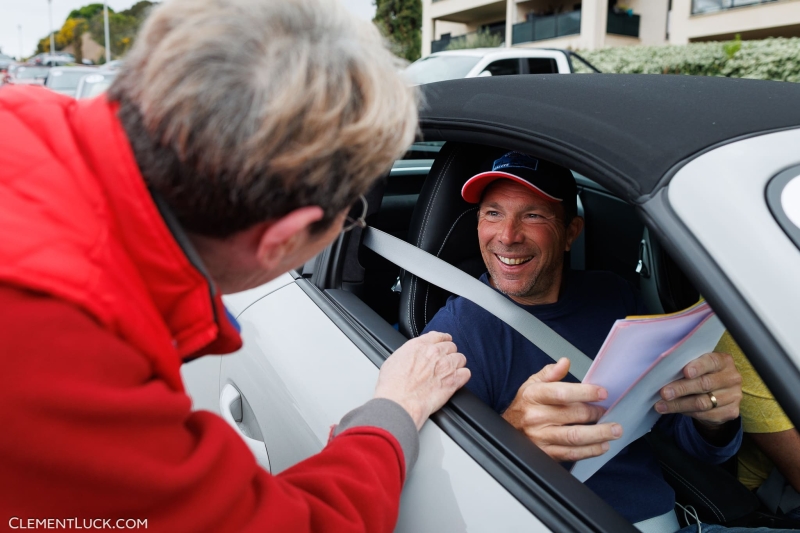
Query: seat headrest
444	225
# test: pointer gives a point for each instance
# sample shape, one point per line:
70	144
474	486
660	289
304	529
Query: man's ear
573	231
282	236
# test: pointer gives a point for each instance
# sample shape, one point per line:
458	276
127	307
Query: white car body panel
298	384
201	376
490	55
720	197
512	53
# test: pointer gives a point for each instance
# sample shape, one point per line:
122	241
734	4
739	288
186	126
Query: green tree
400	22
122	29
140	10
87	12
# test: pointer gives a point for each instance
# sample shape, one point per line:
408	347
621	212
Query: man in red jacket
228	151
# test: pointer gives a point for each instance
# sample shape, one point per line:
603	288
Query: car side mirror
485	74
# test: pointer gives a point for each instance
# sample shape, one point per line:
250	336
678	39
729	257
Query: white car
95	83
65	80
479	62
688	185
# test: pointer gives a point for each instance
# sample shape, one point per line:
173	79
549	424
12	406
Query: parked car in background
65	80
480	62
6	63
114	64
94	84
28	75
52	60
680	196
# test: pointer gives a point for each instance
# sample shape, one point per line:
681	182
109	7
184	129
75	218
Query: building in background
593	24
721	20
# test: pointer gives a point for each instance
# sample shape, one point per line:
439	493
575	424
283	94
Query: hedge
769	59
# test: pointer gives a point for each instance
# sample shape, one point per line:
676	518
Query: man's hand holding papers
712	374
554	415
646	357
646	361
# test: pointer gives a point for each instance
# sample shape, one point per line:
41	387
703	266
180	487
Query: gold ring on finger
713	399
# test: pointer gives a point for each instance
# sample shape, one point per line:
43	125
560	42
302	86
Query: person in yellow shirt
770	442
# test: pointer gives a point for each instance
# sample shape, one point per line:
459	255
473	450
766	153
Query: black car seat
444	225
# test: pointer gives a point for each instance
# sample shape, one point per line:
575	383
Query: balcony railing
550	27
710	6
623	24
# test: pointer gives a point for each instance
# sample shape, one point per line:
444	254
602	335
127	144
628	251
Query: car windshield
439	68
29	73
62	80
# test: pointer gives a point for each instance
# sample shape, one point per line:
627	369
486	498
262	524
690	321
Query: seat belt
444	275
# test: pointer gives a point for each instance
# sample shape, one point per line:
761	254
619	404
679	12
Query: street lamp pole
19	27
52	36
108	40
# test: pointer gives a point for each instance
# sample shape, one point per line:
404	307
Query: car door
303	367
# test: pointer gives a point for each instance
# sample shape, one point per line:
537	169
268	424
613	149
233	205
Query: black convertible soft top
626	131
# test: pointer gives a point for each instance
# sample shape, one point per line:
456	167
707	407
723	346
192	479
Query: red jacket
98	307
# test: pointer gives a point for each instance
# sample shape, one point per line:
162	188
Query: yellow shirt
760	412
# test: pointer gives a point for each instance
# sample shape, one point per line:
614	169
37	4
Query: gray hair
240	111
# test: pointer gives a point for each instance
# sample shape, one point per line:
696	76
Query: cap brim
474	187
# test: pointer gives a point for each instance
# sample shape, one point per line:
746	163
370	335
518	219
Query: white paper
634	345
634	408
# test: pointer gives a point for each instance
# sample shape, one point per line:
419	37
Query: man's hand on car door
422	375
554	415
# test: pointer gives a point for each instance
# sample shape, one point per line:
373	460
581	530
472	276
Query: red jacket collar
79	224
186	300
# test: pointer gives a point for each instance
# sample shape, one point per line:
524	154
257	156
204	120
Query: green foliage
733	46
87	12
43	45
123	27
140	10
478	39
400	22
770	59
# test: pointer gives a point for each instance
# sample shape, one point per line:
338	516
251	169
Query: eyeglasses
359	222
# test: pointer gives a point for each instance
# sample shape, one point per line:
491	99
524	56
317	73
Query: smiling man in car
527	220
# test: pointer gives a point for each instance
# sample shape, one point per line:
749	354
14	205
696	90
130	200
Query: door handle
230	405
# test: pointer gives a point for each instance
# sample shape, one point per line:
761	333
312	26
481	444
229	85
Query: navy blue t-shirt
501	360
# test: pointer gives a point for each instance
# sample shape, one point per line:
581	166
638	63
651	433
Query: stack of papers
639	357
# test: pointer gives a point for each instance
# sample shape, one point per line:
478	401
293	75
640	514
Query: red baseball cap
550	181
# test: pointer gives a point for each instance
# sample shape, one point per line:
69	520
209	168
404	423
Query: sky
33	17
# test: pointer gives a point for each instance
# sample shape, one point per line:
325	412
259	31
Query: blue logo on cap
516	160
